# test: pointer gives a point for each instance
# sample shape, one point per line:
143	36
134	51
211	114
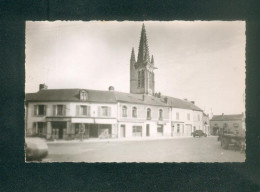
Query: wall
70	111
186	126
141	119
230	125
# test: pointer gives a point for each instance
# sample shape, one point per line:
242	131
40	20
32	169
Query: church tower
141	71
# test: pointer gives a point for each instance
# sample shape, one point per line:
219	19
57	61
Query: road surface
165	150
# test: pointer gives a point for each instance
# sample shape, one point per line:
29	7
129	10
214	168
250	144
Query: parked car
199	133
35	148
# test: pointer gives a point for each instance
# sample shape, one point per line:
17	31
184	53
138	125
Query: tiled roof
227	117
108	97
71	95
139	99
183	104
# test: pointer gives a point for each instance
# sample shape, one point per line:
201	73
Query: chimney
222	114
166	99
185	99
193	102
111	88
43	87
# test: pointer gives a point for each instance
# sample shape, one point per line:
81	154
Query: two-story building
63	113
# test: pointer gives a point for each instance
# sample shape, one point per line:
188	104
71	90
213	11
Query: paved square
166	150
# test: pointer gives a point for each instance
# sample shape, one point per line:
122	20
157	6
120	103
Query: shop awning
82	120
105	121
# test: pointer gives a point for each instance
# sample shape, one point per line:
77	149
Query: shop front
93	128
57	127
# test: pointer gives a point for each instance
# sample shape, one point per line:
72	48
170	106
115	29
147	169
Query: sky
202	61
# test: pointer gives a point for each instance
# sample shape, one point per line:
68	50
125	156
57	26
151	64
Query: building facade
83	113
228	123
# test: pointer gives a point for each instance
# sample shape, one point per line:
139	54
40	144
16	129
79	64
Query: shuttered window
104	111
59	110
83	110
39	110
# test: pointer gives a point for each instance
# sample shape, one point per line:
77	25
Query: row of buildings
71	113
67	113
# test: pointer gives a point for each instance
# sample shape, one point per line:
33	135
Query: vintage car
35	148
199	133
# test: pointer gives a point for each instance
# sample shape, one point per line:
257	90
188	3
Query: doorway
93	131
122	131
59	129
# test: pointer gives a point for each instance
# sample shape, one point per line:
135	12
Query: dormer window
83	95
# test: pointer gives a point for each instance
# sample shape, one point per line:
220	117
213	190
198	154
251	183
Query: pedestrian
82	131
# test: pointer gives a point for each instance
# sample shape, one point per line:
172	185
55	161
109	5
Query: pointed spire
143	52
152	60
133	55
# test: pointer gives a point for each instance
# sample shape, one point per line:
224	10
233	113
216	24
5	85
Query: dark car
199	133
35	148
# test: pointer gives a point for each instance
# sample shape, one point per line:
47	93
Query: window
104	111
148	113
160	114
188	116
59	110
83	110
124	111
39	110
141	78
177	116
134	112
160	129
137	131
83	95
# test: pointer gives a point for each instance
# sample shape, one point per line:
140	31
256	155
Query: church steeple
152	60
143	52
142	70
132	60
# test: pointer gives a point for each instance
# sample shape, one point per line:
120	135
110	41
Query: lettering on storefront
57	119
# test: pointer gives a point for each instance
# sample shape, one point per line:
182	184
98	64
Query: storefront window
137	131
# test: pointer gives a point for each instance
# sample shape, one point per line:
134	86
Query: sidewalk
98	140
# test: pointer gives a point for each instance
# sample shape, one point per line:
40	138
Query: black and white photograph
132	91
